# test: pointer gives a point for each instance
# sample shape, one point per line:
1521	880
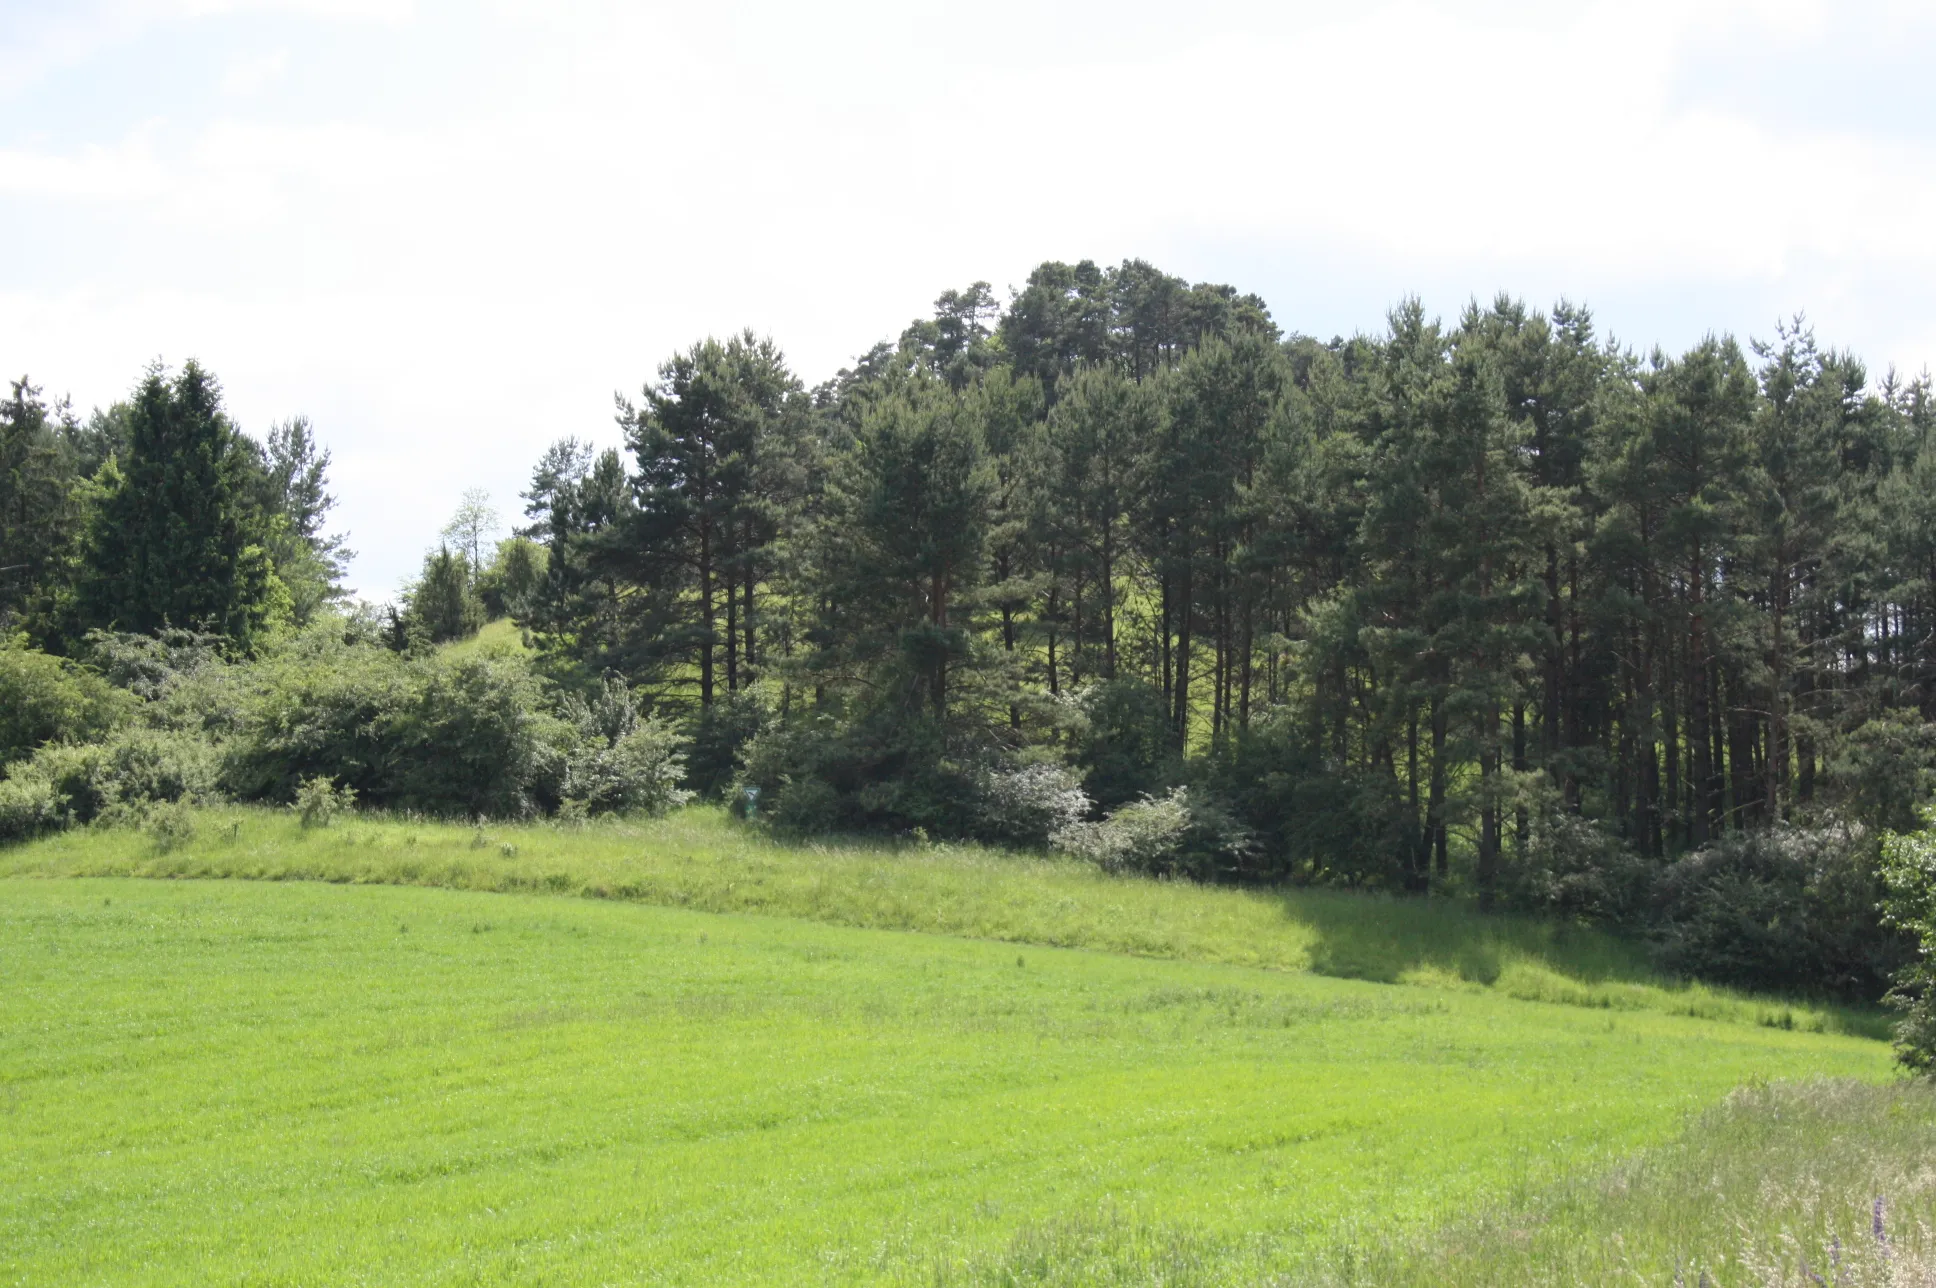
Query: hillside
698	859
300	1083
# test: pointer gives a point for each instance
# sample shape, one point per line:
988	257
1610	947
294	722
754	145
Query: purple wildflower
1876	1224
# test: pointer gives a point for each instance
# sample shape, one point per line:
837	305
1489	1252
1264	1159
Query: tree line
1432	585
1117	565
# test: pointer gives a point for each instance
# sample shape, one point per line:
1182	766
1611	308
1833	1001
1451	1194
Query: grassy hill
698	859
289	1082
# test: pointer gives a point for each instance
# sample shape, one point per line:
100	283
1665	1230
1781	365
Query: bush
622	764
152	666
324	713
319	801
1785	909
1124	743
113	781
1908	868
1575	869
1026	807
717	736
1176	834
141	767
466	736
1313	820
172	826
29	805
47	699
473	739
889	772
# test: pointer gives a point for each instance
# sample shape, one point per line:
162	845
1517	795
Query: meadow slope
698	859
294	1083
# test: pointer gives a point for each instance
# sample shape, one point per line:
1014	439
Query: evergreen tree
40	503
902	549
697	534
179	537
443	605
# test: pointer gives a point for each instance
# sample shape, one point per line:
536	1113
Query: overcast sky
448	233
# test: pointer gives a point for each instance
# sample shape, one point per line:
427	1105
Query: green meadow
679	1053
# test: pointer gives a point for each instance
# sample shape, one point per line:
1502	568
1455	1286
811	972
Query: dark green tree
697	534
40	505
179	537
444	604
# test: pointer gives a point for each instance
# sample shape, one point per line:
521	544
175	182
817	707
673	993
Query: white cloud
247	76
446	278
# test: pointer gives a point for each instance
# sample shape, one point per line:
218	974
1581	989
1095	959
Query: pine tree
697	533
903	549
179	539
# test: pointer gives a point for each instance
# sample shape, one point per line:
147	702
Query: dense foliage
1496	607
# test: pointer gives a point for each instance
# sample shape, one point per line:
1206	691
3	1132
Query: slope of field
1782	1185
291	1083
698	859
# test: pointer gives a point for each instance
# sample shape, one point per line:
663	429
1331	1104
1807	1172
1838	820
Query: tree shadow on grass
1393	940
1388	939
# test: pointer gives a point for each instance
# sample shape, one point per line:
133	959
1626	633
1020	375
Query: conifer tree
178	538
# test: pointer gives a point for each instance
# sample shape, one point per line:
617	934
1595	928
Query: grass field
699	860
298	1083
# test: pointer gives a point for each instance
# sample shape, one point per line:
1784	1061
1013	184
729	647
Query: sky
450	233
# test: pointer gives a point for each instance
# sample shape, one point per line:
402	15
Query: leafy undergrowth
291	1083
700	859
1784	1185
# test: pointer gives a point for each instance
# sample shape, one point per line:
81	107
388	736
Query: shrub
157	765
151	666
717	736
47	699
1908	870
172	826
1123	742
1027	806
607	716
1176	834
639	773
1574	868
323	712
621	764
1313	819
113	781
30	805
319	801
888	772
471	740
1787	908
466	736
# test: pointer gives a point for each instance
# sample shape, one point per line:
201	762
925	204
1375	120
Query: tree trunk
706	614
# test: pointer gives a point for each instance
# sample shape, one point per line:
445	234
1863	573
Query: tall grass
1826	1182
701	859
